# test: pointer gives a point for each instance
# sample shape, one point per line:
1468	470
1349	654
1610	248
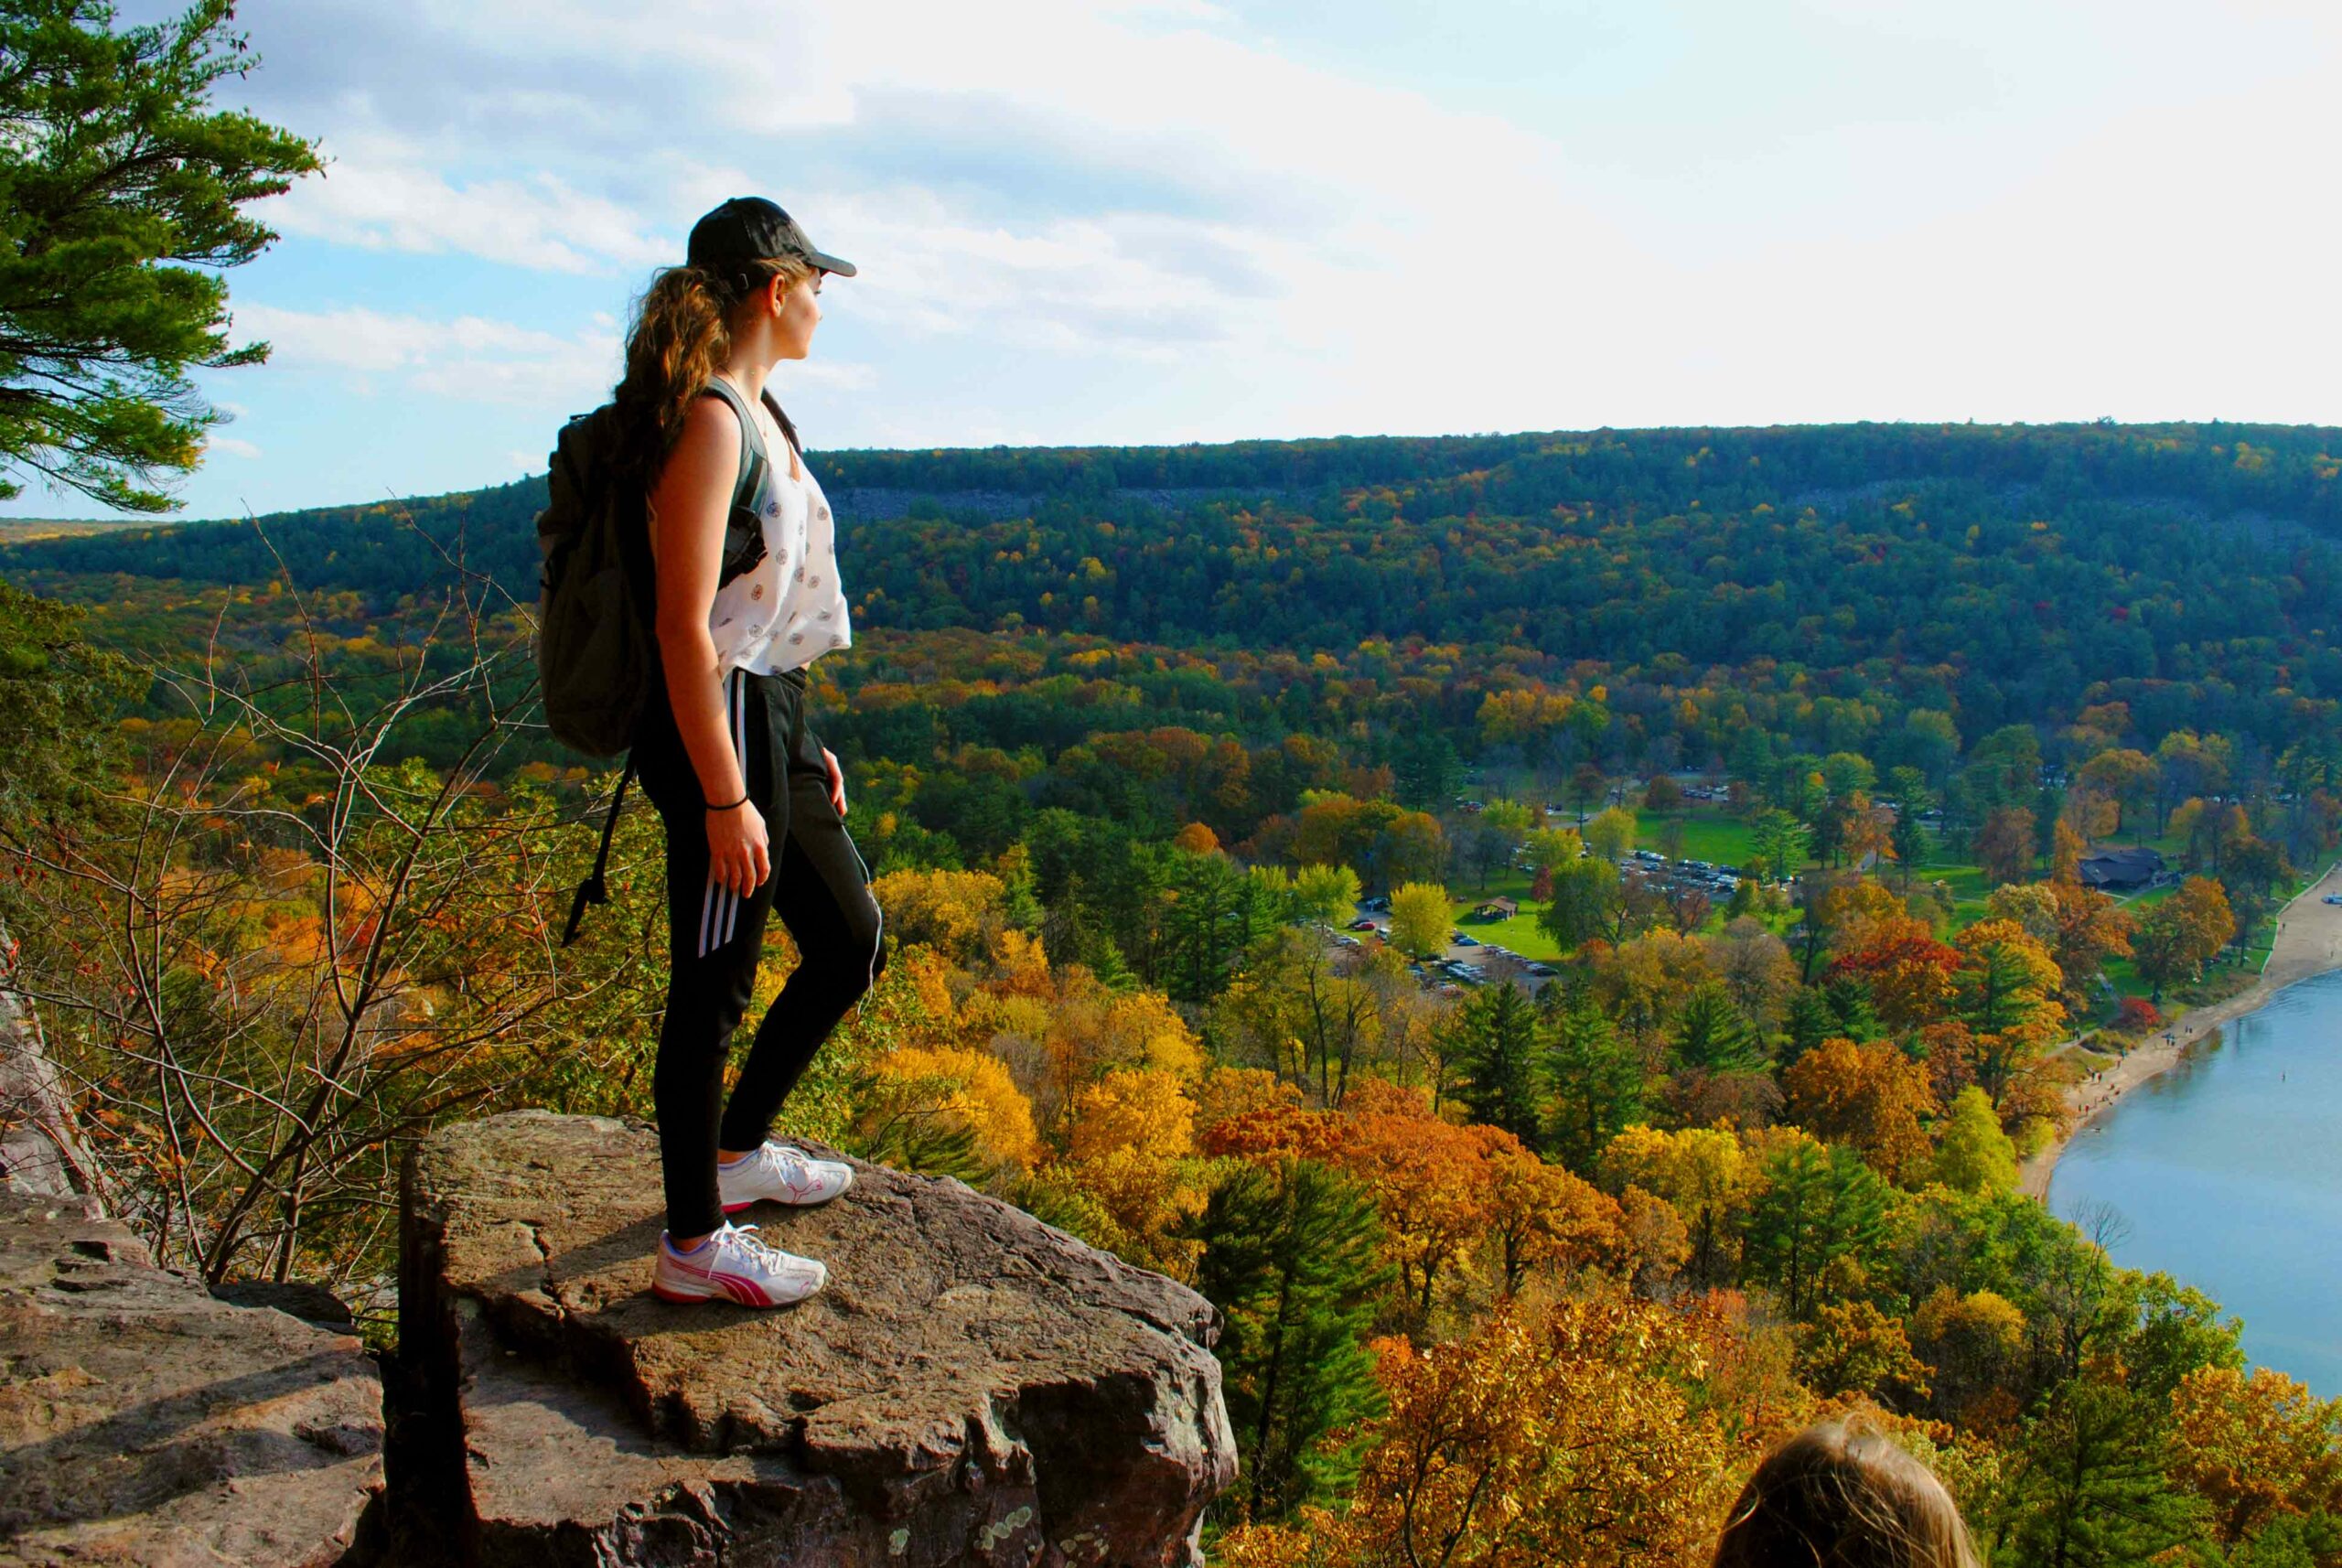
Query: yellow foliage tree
1555	1436
974	1088
1132	1138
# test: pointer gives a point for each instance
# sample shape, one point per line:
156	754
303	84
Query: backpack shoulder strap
752	445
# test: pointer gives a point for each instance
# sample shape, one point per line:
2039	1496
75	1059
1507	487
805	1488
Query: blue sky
1175	220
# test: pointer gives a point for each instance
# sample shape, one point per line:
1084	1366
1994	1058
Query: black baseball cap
750	228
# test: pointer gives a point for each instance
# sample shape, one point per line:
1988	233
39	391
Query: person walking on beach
753	805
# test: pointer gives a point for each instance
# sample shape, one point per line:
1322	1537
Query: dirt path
2309	942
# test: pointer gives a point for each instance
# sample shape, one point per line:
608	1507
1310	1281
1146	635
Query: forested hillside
1564	939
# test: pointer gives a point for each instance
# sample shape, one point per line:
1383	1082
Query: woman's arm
689	505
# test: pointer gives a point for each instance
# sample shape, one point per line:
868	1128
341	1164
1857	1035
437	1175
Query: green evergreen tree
1849	1005
2089	1488
1597	1081
1290	1259
1426	768
125	187
1497	1045
1911	843
1816	1208
1711	1035
1811	1022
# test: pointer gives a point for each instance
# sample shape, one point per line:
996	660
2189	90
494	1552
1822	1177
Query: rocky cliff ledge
144	1422
972	1386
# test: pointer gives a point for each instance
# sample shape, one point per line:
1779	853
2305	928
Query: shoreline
2308	942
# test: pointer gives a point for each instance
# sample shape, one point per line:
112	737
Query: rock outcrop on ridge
972	1386
144	1422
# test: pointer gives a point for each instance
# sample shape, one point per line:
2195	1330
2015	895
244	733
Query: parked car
1464	939
1363	924
2333	897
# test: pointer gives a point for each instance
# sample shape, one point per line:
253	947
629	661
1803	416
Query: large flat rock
144	1422
972	1387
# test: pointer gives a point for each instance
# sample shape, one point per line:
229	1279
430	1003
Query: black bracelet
733	807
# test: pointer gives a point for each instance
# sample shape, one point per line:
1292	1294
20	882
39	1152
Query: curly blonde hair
1843	1495
681	337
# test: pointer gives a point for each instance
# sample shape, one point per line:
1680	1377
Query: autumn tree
1756	970
2091	928
2127	778
2178	937
1911	975
1974	1155
1703	1172
2256	1448
1543	1217
1420	918
2003	845
1852	1346
1430	1184
1557	1435
1872	1097
1611	834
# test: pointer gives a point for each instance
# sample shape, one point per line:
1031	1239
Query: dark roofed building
2121	870
1498	908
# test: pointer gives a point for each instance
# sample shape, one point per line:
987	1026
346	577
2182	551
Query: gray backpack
597	648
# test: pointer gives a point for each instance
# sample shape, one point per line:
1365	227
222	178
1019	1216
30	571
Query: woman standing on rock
753	804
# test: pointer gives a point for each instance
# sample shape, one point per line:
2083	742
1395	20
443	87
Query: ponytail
682	335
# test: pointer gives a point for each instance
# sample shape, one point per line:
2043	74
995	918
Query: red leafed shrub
2137	1016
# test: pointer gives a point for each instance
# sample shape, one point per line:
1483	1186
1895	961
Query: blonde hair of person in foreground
1841	1495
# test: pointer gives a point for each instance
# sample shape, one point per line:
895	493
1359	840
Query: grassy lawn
1708	834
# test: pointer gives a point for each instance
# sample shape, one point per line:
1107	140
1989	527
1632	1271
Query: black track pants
818	884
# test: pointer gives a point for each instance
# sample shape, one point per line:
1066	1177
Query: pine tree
2090	1488
1850	1004
1596	1082
1497	1046
125	195
1816	1208
1290	1259
1711	1034
1811	1022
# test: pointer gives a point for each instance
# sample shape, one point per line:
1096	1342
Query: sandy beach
2308	942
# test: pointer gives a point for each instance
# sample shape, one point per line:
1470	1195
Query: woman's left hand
837	779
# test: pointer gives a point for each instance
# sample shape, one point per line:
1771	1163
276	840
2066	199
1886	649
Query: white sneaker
733	1264
780	1174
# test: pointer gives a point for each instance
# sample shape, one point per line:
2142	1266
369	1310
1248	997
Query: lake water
2228	1170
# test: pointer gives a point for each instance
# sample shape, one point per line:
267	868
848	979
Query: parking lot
1468	961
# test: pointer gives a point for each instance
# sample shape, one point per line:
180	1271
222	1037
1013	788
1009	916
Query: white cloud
1071	185
380	198
468	359
229	445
